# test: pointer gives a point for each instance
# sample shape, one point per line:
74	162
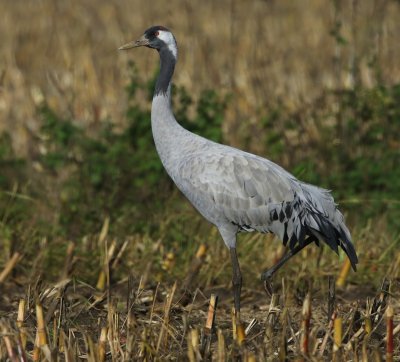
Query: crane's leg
266	275
236	279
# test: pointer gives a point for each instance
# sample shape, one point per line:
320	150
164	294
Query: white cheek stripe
168	39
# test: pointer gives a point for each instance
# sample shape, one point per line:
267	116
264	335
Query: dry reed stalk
195	266
211	313
41	326
282	354
378	304
389	333
104	274
20	322
337	338
56	332
164	327
10	266
143	346
41	344
341	280
7	341
364	350
337	333
101	280
272	318
273	310
354	350
305	325
209	327
234	323
250	326
104	231
119	255
314	340
327	334
241	335
36	348
221	346
113	329
130	332
385	289
68	260
102	344
130	298
10	350
367	325
61	342
193	346
367	318
190	351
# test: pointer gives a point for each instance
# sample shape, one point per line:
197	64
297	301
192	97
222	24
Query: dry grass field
132	287
263	52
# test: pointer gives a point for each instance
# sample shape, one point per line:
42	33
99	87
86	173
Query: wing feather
239	185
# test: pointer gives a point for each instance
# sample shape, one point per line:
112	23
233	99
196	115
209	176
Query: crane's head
157	37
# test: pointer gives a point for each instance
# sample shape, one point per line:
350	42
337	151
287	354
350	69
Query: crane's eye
157	33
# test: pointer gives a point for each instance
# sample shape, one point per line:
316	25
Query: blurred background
313	85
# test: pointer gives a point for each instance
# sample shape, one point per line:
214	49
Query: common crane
235	190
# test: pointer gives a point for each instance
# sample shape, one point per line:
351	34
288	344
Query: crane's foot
268	286
266	277
267	274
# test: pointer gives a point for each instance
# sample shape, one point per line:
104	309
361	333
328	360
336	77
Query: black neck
166	71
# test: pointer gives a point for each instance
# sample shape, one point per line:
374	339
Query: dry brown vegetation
106	296
138	318
261	51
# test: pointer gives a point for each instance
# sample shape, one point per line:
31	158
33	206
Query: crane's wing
253	193
241	186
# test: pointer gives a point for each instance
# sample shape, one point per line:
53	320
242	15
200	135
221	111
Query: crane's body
239	191
235	190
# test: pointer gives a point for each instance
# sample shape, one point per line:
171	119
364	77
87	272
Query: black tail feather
324	230
348	248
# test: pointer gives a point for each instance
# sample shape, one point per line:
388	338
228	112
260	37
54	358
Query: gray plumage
235	190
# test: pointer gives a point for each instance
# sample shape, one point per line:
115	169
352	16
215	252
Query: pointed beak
143	41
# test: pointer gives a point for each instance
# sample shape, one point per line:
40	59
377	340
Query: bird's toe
268	286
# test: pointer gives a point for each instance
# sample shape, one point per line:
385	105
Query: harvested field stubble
131	320
315	86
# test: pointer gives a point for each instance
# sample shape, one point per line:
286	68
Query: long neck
166	131
168	62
